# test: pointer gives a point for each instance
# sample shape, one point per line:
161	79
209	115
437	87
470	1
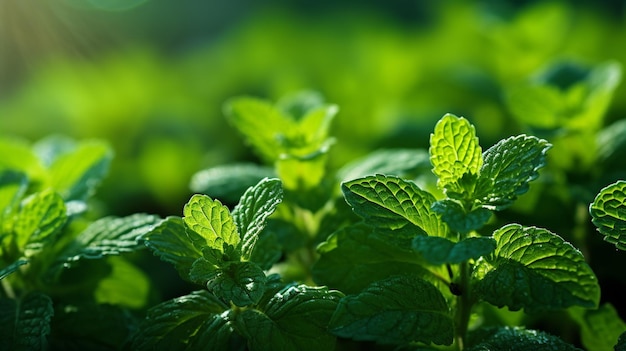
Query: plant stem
464	306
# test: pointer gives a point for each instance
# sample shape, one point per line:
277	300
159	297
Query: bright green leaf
4	272
393	202
229	182
518	339
600	328
177	324
458	219
18	156
537	270
358	255
25	323
242	283
13	186
212	222
389	312
508	168
41	216
454	151
108	236
126	286
250	214
295	319
608	212
437	250
170	242
400	162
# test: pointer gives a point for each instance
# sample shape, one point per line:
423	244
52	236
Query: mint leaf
518	339
295	319
13	186
508	167
107	236
621	342
4	272
126	285
393	203
211	221
398	162
18	156
242	283
437	250
180	323
169	241
76	172
229	182
357	255
25	323
535	269
40	218
458	219
600	328
250	214
454	152
608	213
389	312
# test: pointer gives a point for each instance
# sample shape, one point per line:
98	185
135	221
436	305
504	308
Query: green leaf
18	156
180	323
621	342
108	236
454	151
608	212
126	286
4	272
250	214
40	218
537	270
518	339
229	182
13	186
295	319
212	222
170	242
357	255
600	328
392	202
260	123
508	167
439	251
25	323
458	219
398	162
242	283
75	174
389	312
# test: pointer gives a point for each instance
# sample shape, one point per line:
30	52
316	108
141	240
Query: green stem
464	306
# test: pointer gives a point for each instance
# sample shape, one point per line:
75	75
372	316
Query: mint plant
52	258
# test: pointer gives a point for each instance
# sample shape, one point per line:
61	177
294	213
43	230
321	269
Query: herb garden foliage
52	257
410	269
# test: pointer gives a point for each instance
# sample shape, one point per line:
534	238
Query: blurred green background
151	76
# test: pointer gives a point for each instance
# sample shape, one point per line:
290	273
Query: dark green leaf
358	255
41	217
608	211
537	270
387	201
242	283
212	222
508	168
517	339
12	268
457	219
25	323
267	250
439	251
389	312
398	162
229	182
295	319
621	343
454	151
169	241
250	215
13	186
180	323
108	236
600	328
